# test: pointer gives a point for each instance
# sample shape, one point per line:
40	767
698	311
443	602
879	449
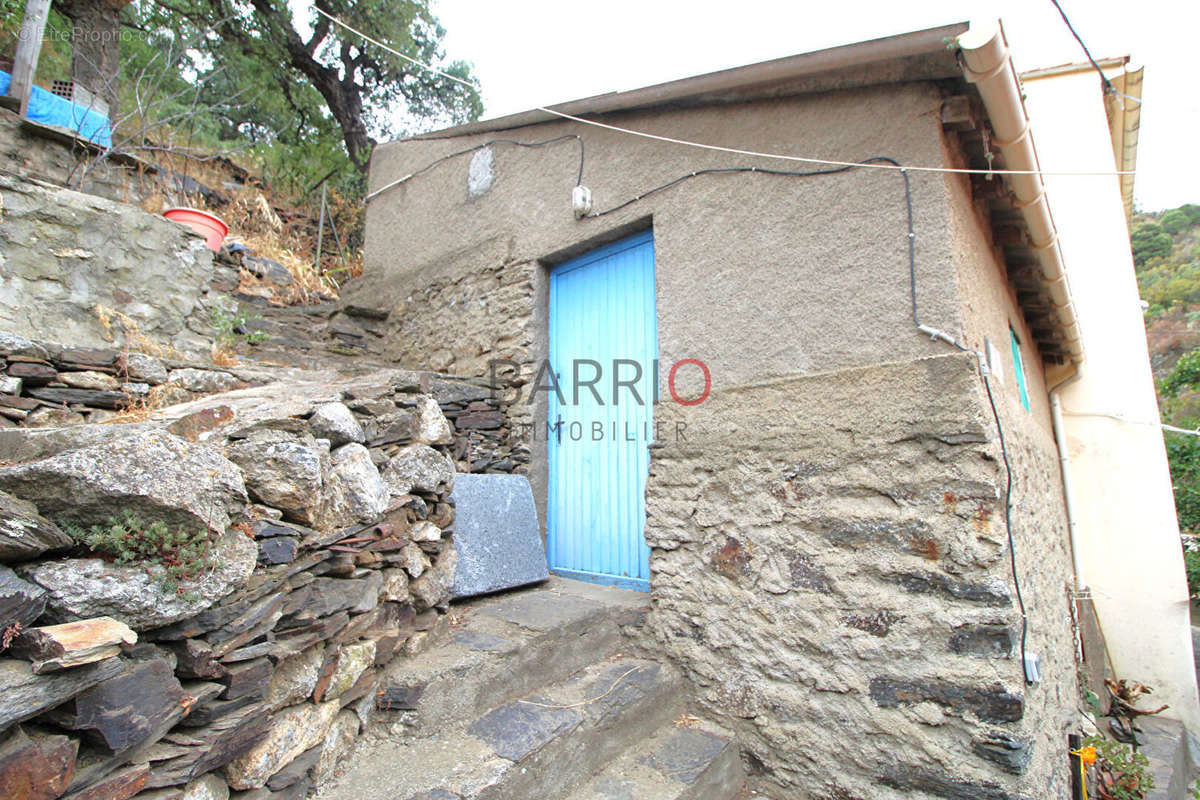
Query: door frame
582	257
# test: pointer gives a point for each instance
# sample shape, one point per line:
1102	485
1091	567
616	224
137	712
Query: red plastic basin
207	225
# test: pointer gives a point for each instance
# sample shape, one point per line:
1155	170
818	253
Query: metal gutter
921	55
987	64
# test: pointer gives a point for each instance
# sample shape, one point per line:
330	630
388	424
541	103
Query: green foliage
228	323
181	554
1175	221
1191	565
1166	251
1128	769
1185	375
1149	240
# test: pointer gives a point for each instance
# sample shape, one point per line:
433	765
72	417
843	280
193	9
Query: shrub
1175	221
1124	773
1149	240
181	554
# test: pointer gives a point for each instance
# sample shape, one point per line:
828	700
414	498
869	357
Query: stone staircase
540	693
1174	755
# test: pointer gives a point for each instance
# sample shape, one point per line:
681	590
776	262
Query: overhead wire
713	147
834	167
1108	85
481	146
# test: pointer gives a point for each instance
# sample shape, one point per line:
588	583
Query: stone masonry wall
30	153
830	567
71	261
327	506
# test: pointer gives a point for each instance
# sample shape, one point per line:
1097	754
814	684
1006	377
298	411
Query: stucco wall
828	539
1043	547
823	260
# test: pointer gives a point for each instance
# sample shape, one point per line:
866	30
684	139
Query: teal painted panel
602	325
1019	367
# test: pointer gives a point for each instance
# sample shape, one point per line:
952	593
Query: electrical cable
713	147
578	176
1108	86
875	162
933	332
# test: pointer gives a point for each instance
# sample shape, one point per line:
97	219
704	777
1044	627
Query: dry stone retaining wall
332	556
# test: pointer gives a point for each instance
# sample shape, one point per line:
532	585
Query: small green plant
228	323
1122	772
1196	791
182	554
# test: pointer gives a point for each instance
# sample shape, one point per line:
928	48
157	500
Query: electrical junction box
581	201
994	364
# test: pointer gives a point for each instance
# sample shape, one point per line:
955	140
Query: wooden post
29	47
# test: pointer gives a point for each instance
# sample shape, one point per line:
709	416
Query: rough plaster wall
63	254
1039	523
759	276
830	567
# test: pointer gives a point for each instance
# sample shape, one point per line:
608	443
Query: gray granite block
496	534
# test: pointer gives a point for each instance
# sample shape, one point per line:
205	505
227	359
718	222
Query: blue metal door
603	349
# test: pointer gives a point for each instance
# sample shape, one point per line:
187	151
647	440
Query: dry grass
134	339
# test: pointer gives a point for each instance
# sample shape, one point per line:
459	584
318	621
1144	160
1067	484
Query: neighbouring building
852	367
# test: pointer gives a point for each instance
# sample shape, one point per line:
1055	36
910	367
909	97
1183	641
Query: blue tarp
50	109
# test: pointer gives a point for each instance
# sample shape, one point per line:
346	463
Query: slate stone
24	694
436	794
514	730
478	640
984	641
248	678
32	373
400	697
21	602
26	534
296	771
1010	753
35	769
992	594
496	534
131	709
120	785
88	397
918	779
992	703
686	753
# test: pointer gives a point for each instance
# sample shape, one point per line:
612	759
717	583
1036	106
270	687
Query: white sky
539	52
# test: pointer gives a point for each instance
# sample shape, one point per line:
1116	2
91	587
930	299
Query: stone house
816	410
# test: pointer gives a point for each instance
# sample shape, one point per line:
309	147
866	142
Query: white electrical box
581	201
995	364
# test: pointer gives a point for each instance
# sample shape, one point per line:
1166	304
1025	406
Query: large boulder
354	491
81	588
419	468
152	474
285	471
24	533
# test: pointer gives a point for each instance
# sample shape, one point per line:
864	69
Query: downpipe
1064	465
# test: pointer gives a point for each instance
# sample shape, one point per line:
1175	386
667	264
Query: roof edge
737	79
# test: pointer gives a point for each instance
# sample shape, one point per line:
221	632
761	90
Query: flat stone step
541	746
1174	756
506	646
688	759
